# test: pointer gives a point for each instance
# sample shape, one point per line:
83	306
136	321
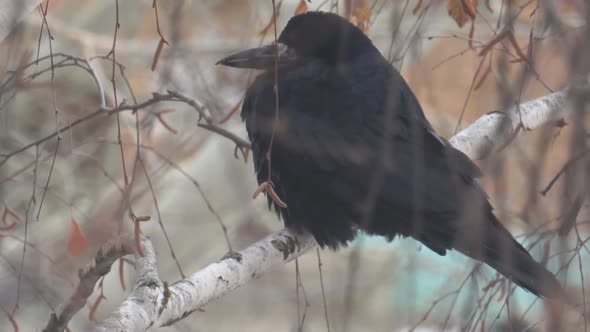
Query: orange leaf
77	242
462	11
360	14
260	189
122	274
143	218
94	307
7	225
301	7
157	54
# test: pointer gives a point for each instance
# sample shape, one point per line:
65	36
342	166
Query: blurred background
191	180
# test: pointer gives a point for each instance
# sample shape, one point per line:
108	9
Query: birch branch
496	129
147	299
88	279
154	304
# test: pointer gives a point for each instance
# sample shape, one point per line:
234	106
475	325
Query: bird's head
311	36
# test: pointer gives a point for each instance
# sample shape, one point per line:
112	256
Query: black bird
352	150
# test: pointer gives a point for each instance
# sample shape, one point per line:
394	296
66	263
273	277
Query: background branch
88	279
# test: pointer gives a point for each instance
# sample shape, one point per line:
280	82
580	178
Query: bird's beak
260	57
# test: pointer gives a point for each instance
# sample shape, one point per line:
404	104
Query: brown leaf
157	53
462	11
260	189
301	7
77	242
94	307
271	191
122	274
143	218
8	225
361	15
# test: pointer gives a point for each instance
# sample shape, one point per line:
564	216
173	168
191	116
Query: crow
349	149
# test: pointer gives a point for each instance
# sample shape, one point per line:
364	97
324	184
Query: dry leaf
77	242
157	54
462	11
360	14
143	218
301	7
8	225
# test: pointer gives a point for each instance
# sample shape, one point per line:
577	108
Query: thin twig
103	261
49	175
156	98
101	94
565	167
169	243
194	181
323	290
30	207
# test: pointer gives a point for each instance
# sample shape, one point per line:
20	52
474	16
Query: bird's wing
409	189
317	148
349	135
338	147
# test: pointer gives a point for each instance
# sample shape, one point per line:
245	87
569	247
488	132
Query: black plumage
353	151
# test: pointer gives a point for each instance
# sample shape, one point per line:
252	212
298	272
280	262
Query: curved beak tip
224	61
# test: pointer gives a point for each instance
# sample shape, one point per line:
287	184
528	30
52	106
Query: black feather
354	151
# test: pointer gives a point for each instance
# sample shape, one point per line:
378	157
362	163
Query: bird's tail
497	248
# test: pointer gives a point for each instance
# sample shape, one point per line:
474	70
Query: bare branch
495	129
88	279
152	304
170	96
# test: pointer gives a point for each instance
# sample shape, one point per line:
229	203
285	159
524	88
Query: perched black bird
353	151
